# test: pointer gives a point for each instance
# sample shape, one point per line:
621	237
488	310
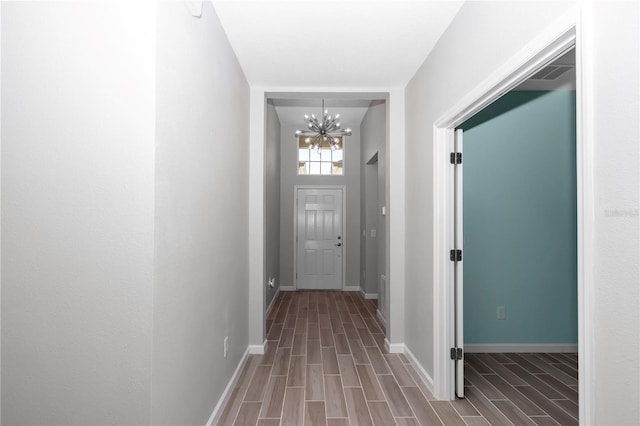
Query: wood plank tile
231	409
566	391
448	415
357	407
281	362
293	408
377	361
485	407
301	325
348	371
370	386
404	359
474	361
248	414
366	337
258	384
338	422
475	421
421	384
329	361
297	371
314	414
326	337
357	321
269	352
394	396
268	422
342	346
273	397
421	407
501	358
313	332
397	368
568	406
299	344
406	421
334	397
358	352
513	413
325	323
569	371
544	421
314	386
380	413
557	413
290	322
499	369
313	352
274	333
350	331
464	407
535	382
522	362
482	384
286	338
522	402
550	369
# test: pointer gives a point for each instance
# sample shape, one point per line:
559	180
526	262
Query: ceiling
333	43
291	111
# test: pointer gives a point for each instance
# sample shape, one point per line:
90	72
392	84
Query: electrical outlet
226	346
501	313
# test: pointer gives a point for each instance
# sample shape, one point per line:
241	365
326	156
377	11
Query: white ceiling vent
551	72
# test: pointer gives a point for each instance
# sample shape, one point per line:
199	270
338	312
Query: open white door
458	356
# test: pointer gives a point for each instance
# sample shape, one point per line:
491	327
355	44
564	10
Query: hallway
325	364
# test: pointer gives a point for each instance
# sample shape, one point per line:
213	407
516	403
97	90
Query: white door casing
319	238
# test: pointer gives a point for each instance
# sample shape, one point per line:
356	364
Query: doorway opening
536	56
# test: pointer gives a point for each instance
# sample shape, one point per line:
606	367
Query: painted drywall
479	40
351	180
520	220
373	131
612	76
201	242
272	203
78	123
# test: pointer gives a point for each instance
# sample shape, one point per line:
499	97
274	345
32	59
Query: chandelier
323	132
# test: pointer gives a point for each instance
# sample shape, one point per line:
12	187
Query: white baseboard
368	295
257	349
381	318
273	301
287	288
351	288
521	347
222	402
419	368
394	348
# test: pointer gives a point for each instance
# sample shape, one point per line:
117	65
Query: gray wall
201	230
289	178
272	202
124	247
78	122
373	130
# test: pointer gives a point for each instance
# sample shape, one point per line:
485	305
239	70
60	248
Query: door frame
558	38
341	188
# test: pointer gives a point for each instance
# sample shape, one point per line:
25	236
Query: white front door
320	239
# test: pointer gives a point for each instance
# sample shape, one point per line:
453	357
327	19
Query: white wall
202	208
614	46
78	121
480	39
272	202
289	178
373	131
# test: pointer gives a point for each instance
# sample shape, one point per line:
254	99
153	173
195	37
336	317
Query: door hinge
455	255
456	354
456	158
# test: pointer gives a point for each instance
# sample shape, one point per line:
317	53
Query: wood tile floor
325	364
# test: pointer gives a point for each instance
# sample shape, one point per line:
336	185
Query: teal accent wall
520	248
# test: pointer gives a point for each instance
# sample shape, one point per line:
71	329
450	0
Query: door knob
339	245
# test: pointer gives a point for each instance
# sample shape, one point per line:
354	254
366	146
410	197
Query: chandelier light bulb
325	131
